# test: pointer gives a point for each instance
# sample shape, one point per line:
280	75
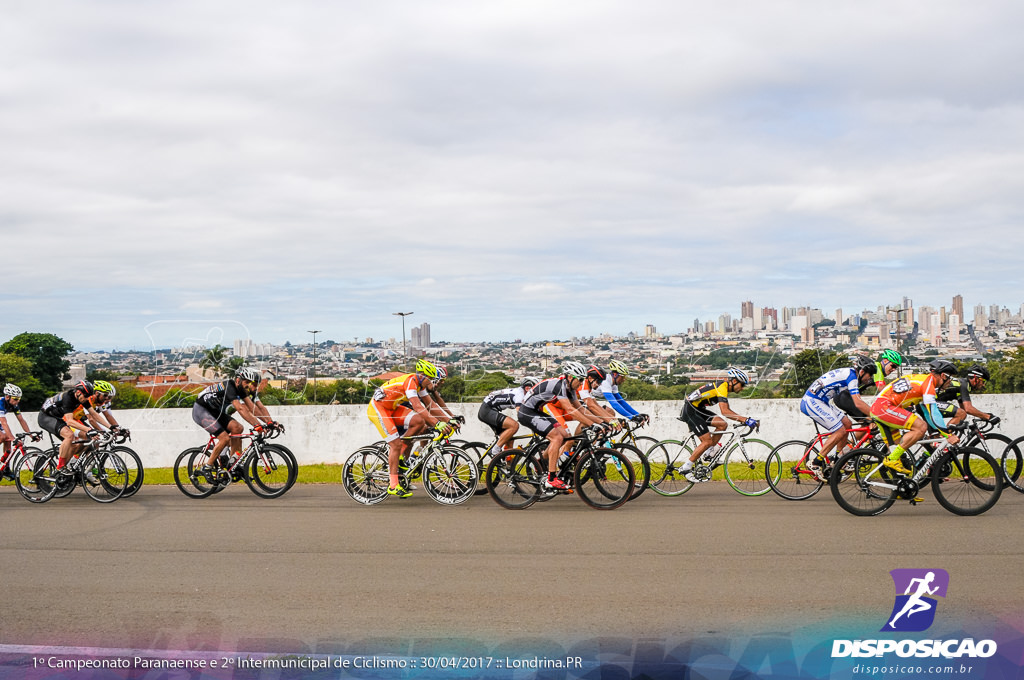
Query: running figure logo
914	610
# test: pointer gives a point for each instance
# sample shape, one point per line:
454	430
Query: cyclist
561	392
959	392
888	361
62	414
213	412
435	394
403	406
595	380
9	404
696	414
102	402
490	413
617	373
822	403
890	409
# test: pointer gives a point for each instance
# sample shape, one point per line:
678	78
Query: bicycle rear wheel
365	476
269	473
136	473
109	477
1012	463
861	485
481	456
974	485
450	476
666	460
641	467
603	478
187	475
35	475
513	479
744	467
787	472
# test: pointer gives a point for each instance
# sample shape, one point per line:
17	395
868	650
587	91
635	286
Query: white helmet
738	374
247	373
13	391
574	369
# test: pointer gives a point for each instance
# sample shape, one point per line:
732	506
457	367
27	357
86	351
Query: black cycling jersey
547	391
958	390
510	397
61	404
220	397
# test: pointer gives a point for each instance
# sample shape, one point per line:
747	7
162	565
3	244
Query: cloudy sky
503	169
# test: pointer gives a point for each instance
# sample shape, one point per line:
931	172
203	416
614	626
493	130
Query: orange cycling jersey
91	402
910	390
398	391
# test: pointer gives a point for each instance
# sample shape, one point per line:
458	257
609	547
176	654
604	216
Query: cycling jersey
500	400
60	405
611	393
547	391
220	398
832	383
957	390
890	408
709	394
399	391
7	407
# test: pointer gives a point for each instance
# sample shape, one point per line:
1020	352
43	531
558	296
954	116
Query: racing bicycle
739	455
269	470
100	471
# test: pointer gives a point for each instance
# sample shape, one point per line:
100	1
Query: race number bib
900	386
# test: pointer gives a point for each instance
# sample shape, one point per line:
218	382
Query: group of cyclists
411	403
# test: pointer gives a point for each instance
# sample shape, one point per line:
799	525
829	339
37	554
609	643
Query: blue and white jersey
832	383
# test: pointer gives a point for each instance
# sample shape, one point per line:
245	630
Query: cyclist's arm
261	412
575	410
7	428
425	411
620	405
446	412
109	417
727	412
602	413
75	424
21	419
245	409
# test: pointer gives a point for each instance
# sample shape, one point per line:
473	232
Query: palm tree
213	359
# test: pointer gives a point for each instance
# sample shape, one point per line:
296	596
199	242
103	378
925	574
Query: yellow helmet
426	368
103	387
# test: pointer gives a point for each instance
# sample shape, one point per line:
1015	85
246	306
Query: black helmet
978	371
596	372
863	363
941	366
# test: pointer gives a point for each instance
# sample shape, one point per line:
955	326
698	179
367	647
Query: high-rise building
420	335
747	310
954	327
650	331
725	323
958	305
980	317
839	316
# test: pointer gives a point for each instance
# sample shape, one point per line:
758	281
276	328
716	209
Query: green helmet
103	387
892	356
426	368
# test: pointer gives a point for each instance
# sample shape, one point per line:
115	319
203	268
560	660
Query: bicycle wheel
974	485
11	466
136	472
1012	461
641	467
480	455
861	485
109	477
745	469
365	475
513	479
34	477
450	476
666	461
787	472
269	472
604	478
187	476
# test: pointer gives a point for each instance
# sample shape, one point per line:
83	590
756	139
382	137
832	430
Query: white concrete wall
327	434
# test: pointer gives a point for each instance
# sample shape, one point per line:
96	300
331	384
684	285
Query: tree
213	359
18	370
807	366
48	355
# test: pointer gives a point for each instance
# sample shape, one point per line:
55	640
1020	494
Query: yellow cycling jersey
709	394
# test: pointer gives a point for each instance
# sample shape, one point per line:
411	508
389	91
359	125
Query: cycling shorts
823	413
210	421
888	413
492	417
697	418
51	424
391	423
541	423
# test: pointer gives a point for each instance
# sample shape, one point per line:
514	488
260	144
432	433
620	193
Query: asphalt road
161	571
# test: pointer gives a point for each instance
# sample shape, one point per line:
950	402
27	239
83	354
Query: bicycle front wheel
481	456
187	475
666	461
513	479
109	477
136	472
1012	462
35	475
604	478
745	468
365	476
270	472
860	483
974	484
787	473
450	476
641	467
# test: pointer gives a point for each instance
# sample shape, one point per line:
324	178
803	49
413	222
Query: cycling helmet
892	356
426	368
738	375
975	371
863	363
941	366
596	372
442	374
616	366
12	391
574	369
85	386
529	381
247	373
103	387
